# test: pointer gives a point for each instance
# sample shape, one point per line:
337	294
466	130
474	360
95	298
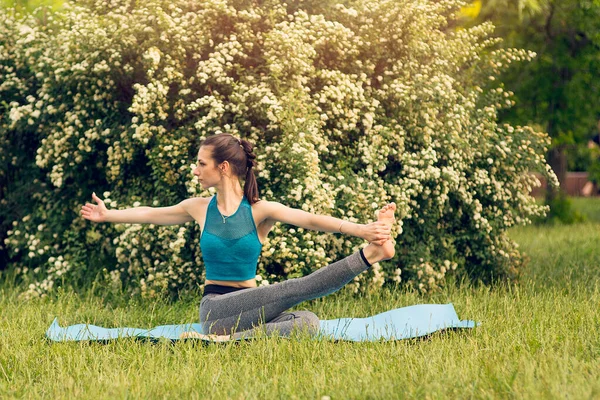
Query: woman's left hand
377	232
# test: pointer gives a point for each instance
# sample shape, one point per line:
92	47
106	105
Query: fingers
96	198
85	213
384	228
382	235
88	207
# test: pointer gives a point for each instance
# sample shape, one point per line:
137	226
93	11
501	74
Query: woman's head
224	157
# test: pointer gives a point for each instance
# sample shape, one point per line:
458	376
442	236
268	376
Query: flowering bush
350	107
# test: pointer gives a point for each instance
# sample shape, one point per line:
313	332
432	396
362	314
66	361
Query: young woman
235	224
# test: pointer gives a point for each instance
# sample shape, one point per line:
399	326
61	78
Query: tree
560	88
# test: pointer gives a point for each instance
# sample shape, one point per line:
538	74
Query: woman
235	224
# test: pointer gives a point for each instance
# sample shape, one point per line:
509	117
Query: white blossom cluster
349	110
54	269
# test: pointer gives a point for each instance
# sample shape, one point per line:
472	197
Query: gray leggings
243	312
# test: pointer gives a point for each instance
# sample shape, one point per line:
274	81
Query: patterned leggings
243	312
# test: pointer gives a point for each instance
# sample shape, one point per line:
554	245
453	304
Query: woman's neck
229	198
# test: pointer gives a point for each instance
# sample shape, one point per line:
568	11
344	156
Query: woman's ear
224	166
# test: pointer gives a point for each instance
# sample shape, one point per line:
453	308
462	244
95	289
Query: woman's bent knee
308	320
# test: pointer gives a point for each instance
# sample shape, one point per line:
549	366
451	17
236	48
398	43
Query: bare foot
212	338
375	253
386	214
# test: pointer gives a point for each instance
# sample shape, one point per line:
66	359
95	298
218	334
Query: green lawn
590	208
540	339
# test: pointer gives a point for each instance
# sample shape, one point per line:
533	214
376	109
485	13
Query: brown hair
238	152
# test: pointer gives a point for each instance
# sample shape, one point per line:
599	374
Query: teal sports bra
230	249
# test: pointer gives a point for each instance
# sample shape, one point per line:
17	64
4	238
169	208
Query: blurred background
558	91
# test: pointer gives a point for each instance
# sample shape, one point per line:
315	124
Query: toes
388	207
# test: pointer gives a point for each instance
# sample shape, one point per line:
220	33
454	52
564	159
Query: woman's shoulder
198	201
261	203
261	209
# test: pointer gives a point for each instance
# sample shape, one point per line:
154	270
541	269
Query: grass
590	208
540	339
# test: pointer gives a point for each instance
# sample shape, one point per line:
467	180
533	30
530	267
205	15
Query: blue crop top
230	250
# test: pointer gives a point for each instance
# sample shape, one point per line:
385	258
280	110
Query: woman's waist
249	283
218	288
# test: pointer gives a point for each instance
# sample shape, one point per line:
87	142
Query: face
207	172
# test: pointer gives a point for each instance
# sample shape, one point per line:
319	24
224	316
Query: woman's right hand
92	212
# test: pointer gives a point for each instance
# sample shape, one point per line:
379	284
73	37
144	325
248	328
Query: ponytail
250	185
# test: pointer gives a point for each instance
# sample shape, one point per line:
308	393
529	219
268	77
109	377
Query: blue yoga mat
400	323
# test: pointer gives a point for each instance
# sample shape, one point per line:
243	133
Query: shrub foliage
350	106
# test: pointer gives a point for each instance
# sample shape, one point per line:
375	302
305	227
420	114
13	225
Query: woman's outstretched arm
173	215
377	231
